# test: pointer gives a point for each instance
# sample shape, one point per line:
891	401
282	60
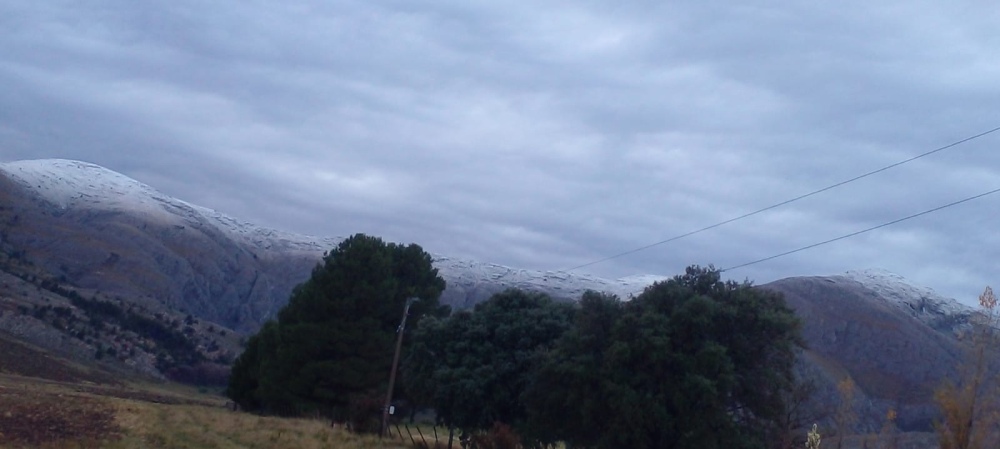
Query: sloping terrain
98	229
40	413
889	349
126	242
19	358
45	321
98	267
78	242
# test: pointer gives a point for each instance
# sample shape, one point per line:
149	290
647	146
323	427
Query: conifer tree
334	339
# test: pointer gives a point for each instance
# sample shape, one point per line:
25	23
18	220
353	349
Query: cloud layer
541	135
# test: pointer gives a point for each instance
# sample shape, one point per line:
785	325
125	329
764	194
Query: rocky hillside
84	228
896	342
114	335
99	229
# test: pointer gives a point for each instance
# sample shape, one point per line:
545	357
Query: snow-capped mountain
920	302
896	342
103	231
91	192
80	185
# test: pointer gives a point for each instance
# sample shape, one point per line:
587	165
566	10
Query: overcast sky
542	134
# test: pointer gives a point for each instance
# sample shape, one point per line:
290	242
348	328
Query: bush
365	413
500	436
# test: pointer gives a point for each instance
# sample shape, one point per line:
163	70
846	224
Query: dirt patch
35	418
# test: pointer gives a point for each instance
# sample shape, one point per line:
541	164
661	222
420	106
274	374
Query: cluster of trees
690	362
174	349
474	368
693	361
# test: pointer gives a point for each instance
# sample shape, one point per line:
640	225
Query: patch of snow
556	283
67	184
922	302
267	238
73	184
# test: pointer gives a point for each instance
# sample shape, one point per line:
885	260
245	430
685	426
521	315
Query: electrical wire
783	203
890	223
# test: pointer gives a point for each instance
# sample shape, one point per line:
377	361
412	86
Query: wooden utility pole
395	364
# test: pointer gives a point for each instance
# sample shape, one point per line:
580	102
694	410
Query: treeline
173	348
691	362
104	324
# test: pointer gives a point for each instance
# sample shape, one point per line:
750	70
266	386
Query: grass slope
47	401
40	413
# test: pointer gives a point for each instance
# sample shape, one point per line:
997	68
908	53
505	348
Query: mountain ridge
101	231
76	184
80	186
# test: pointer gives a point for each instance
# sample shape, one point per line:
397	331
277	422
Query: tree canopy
334	339
692	362
474	367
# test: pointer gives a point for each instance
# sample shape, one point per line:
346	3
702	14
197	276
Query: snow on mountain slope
920	302
557	284
68	184
72	184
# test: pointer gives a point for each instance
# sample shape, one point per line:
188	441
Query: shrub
365	413
500	436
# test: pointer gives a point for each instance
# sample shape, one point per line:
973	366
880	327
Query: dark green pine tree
335	338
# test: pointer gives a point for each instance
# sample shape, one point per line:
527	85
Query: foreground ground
48	402
49	414
40	413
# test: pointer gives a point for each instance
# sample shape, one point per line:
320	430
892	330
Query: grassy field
39	413
47	402
48	414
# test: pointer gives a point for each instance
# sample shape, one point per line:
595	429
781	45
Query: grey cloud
540	135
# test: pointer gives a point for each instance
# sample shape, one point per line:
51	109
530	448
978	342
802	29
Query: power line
792	200
862	231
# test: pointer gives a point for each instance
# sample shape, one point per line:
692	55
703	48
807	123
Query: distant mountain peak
922	302
67	183
101	231
891	284
76	185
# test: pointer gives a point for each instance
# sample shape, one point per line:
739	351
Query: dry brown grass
37	417
180	426
53	415
36	413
